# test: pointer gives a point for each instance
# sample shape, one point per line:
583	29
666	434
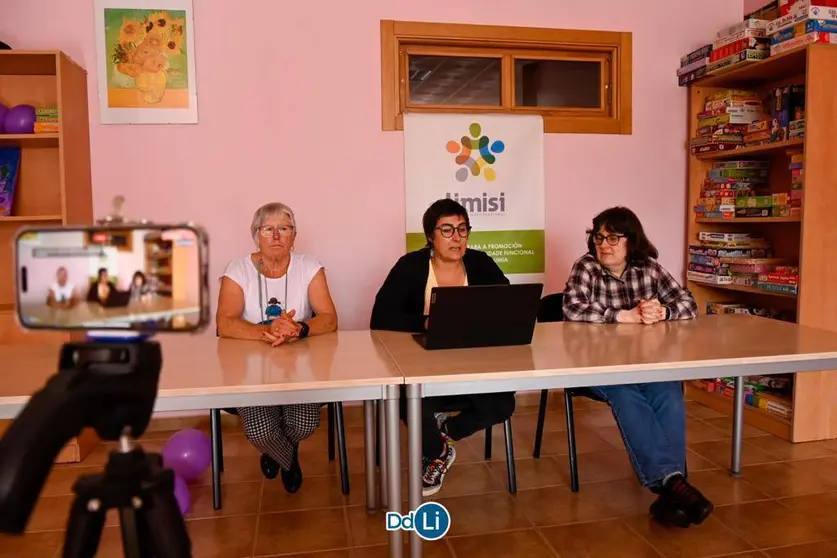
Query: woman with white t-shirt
277	296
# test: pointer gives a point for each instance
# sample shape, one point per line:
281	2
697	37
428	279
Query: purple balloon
188	453
3	111
20	120
182	495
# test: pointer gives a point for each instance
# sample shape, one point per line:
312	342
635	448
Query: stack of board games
773	394
693	65
722	258
802	23
722	124
46	120
749	310
735	189
782	279
797	193
784	117
740	44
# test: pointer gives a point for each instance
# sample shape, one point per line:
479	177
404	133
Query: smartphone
148	278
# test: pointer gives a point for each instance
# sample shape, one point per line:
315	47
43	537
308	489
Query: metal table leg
382	451
414	464
737	427
393	458
369	446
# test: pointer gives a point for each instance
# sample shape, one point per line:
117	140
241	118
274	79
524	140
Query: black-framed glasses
447	230
612	239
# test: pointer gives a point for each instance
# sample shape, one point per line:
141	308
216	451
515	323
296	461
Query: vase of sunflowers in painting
143	51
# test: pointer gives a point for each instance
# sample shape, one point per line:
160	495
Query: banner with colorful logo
493	166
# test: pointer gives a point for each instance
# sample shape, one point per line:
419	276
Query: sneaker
441	422
666	512
435	471
683	495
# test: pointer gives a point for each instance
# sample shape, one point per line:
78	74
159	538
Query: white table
201	372
567	355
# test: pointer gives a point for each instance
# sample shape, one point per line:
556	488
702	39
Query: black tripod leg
165	525
136	535
84	530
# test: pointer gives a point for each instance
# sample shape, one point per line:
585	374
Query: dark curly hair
621	220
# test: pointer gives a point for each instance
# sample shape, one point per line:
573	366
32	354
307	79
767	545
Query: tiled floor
784	506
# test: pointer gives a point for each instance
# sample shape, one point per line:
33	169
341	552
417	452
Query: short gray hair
267	211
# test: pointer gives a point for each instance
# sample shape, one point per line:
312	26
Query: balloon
3	111
188	453
20	120
182	495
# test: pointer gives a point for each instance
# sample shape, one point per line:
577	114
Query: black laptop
481	316
117	299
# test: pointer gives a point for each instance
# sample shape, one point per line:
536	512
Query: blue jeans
652	420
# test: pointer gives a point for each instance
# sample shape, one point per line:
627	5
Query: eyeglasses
269	231
612	239
447	230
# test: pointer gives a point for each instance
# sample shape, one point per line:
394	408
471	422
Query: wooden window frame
399	38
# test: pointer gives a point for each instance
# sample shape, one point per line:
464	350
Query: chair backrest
551	308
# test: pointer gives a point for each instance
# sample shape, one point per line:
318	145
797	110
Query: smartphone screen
148	278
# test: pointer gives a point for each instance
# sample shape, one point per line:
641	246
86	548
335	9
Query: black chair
335	423
507	427
551	310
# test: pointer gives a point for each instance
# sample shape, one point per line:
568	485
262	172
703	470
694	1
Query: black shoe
270	468
688	498
292	479
666	512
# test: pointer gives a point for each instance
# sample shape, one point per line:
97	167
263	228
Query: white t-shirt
60	293
301	270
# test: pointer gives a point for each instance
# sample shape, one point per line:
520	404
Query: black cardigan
399	304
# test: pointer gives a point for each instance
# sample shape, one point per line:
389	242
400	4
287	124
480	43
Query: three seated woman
278	296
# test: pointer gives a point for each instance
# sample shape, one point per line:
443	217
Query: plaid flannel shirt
594	295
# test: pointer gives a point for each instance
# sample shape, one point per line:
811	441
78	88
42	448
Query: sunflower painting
146	63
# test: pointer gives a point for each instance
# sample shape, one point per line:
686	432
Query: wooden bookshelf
53	187
802	240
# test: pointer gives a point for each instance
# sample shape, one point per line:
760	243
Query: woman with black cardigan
402	304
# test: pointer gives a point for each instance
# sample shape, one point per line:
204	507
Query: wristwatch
668	313
303	330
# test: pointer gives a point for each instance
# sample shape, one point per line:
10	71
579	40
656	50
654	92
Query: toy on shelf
736	189
693	65
723	122
9	167
773	394
803	22
20	120
46	120
797	193
746	42
740	259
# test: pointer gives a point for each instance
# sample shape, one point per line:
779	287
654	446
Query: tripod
137	485
111	387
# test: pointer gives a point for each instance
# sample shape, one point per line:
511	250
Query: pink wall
750	5
336	168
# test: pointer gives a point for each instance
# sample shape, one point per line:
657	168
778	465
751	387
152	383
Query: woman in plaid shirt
620	281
